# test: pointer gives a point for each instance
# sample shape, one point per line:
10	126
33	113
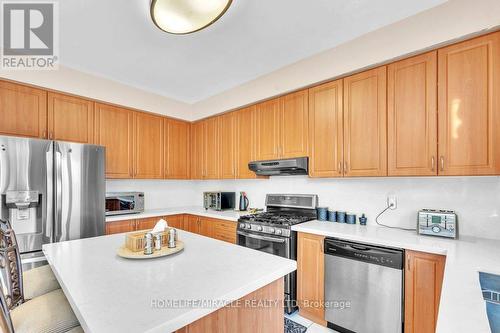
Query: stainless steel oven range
271	232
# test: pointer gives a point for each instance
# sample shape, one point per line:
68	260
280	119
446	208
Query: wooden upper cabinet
23	110
148	146
197	148
311	277
114	130
211	148
326	130
267	123
294	125
245	142
412	116
70	118
365	150
423	280
227	144
469	107
177	148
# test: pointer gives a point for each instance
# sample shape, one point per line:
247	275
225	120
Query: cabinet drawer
225	225
225	236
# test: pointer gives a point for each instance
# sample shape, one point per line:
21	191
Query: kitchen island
209	286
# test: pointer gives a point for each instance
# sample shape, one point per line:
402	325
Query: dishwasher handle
377	255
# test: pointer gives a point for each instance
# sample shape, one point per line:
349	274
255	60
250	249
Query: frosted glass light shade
186	16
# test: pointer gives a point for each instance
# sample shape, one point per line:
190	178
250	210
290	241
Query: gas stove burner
276	219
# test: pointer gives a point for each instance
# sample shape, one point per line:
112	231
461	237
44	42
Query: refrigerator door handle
58	194
49	200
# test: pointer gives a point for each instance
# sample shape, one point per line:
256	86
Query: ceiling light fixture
186	16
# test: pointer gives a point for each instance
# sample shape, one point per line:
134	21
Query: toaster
435	222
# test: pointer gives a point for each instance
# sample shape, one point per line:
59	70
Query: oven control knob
259	228
436	229
278	232
271	230
248	226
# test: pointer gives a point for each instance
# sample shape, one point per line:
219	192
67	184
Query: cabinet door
148	146
70	118
197	148
224	231
267	122
175	221
294	124
177	138
227	144
147	223
423	281
310	277
192	224
412	116
206	226
119	227
365	150
114	130
326	133
469	107
211	152
23	110
245	142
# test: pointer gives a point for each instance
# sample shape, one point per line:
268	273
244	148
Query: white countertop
229	215
111	294
462	308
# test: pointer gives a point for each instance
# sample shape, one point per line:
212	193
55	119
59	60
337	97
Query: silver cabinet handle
442	162
345	167
433	163
340	167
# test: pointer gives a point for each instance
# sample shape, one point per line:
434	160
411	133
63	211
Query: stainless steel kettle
243	201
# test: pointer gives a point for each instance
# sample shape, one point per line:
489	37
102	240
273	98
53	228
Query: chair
48	312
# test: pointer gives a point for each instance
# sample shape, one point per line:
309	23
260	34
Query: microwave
219	200
118	203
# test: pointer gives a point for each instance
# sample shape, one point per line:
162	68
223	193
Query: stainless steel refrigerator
51	191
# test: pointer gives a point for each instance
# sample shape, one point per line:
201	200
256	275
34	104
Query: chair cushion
49	313
39	281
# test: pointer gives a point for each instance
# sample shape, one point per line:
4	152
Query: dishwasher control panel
433	222
363	252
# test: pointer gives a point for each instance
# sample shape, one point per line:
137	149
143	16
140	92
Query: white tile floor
311	327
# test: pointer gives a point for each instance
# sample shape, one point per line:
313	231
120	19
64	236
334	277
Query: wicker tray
124	252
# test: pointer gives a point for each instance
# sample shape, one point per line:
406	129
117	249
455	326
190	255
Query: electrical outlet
392	201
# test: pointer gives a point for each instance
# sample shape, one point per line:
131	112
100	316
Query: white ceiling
116	39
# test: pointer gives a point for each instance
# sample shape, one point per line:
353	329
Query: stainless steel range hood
286	167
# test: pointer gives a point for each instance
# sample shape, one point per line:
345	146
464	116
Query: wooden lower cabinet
224	231
176	221
423	280
310	277
147	223
242	318
119	227
192	224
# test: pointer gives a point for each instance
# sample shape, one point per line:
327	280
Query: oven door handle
270	239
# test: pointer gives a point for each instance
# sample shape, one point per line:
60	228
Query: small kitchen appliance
433	222
271	232
219	200
244	202
118	203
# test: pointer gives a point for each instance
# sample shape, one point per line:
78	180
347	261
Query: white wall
451	20
159	193
475	199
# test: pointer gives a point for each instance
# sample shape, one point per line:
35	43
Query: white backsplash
475	199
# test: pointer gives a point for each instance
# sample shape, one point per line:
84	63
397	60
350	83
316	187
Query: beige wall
451	20
91	86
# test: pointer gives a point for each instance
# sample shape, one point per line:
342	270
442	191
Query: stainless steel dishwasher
363	287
